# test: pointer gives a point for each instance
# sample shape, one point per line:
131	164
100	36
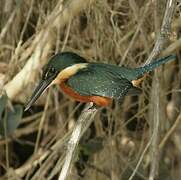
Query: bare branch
165	31
160	44
155	124
81	126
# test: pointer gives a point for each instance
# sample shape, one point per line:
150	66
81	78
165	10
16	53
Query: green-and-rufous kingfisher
91	82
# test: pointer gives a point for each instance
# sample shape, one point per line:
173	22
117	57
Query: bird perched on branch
91	82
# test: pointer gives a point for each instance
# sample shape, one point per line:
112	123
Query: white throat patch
68	72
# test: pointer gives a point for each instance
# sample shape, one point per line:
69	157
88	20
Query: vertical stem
163	36
154	129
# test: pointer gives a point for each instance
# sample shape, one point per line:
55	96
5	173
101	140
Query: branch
154	125
81	126
155	104
165	31
160	44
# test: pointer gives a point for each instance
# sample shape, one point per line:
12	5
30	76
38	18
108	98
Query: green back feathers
110	80
99	81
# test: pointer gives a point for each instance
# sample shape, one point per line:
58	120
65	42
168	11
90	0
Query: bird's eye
49	73
52	70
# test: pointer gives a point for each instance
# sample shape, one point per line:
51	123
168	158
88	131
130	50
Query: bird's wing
98	81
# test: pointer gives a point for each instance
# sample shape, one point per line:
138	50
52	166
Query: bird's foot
91	107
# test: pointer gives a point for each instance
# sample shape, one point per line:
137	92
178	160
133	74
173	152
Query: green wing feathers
110	80
97	81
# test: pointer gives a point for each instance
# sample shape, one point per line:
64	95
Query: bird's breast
98	100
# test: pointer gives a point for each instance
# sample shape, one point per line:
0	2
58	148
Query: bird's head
59	68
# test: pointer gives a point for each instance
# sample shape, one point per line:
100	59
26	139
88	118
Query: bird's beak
43	84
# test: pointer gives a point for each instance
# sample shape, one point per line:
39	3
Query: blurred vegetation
102	31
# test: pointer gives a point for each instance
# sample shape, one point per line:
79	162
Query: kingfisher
85	81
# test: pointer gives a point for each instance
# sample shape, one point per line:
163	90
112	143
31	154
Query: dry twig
81	126
100	34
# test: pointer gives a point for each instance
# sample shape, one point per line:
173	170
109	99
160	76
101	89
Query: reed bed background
118	143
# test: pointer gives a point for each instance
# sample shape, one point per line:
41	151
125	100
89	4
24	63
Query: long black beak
43	84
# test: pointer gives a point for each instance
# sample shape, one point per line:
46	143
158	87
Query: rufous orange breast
98	100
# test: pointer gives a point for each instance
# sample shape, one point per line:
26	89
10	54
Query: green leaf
3	102
11	120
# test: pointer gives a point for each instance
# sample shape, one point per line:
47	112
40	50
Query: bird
98	83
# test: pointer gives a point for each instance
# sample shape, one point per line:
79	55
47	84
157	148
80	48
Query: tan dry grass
118	32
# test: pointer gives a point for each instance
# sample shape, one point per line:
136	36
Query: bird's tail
147	68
